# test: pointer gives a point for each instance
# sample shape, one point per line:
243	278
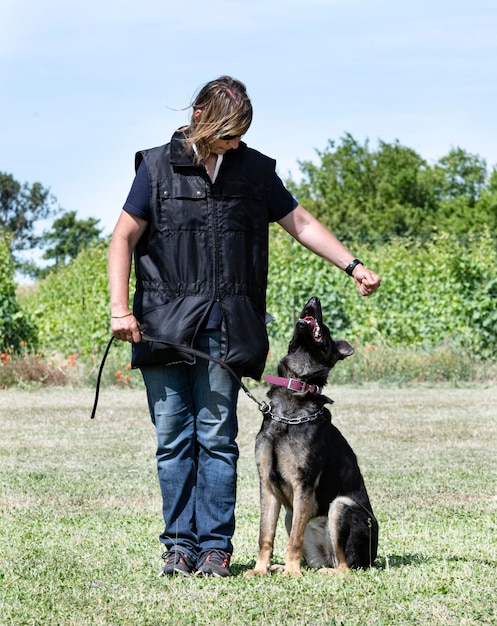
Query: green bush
440	293
15	325
71	305
433	292
71	308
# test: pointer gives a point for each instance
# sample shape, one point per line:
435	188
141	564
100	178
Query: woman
196	220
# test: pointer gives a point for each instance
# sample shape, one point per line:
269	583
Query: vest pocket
245	207
182	204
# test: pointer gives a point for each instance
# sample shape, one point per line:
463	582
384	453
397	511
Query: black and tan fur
309	467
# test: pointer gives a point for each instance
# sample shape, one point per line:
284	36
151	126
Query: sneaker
176	562
214	563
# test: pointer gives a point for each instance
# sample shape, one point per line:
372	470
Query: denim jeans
193	408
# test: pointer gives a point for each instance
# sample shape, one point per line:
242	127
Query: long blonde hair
225	110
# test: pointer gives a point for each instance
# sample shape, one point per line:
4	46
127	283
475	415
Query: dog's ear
344	348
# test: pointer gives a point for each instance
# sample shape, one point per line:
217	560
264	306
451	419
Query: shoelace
175	556
217	557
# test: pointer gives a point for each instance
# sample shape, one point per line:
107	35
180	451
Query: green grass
80	515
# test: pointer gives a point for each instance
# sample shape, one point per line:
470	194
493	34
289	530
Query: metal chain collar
292	420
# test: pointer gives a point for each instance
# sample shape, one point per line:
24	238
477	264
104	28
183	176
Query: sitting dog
306	465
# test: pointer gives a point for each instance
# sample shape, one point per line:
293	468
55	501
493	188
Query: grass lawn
80	515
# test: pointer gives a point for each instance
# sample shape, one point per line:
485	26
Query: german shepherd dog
306	465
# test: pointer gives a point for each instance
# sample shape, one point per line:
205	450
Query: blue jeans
193	408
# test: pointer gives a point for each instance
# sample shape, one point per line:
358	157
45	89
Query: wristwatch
351	266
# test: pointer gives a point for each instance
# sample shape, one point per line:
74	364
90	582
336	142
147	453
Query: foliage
464	175
15	325
68	237
392	191
21	206
441	291
71	306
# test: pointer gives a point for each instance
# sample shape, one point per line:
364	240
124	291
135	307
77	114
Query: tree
21	206
404	203
69	236
464	175
392	191
466	200
371	194
340	189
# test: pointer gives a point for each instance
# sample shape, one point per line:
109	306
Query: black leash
263	406
99	377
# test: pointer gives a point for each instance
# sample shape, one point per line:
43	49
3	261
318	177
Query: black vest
205	242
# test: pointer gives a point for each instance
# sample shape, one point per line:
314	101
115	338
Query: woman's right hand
125	328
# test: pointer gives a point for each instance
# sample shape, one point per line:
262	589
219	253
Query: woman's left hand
366	280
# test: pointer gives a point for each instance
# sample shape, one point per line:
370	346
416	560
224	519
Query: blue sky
86	84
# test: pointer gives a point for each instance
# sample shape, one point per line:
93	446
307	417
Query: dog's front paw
292	570
251	573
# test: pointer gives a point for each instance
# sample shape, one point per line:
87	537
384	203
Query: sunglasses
229	137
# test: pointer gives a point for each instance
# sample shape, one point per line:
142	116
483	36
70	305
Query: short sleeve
138	200
281	202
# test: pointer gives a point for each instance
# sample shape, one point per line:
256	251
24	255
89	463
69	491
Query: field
80	515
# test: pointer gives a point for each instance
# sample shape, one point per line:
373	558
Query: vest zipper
217	246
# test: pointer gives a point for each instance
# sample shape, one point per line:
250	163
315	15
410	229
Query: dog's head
312	352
